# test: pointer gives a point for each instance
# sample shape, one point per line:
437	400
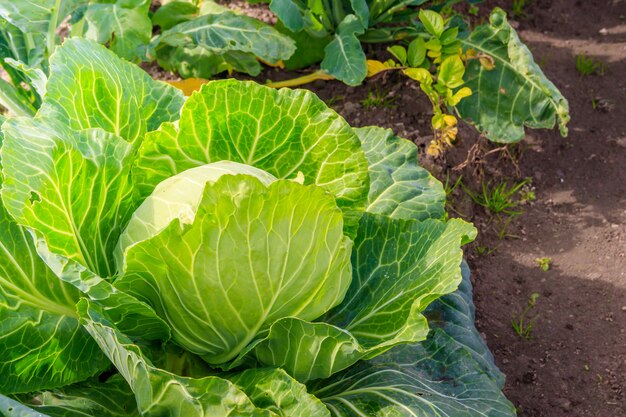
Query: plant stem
305	79
390	12
52	27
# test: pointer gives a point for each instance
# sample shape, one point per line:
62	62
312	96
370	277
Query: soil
574	361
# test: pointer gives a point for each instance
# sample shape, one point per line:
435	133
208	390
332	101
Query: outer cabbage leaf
90	87
251	255
516	93
415	261
442	376
273	389
215	42
173	13
19	48
199	62
131	316
38	16
72	189
309	49
112	398
399	187
125	28
399	267
344	57
42	343
455	315
159	392
292	13
12	408
283	132
71	186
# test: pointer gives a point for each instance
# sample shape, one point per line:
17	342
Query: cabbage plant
241	253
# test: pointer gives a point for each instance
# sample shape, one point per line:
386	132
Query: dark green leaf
514	95
345	59
173	13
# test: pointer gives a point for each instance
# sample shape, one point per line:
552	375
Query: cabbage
178	197
241	253
234	253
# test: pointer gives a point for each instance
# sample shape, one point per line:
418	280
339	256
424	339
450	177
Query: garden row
242	251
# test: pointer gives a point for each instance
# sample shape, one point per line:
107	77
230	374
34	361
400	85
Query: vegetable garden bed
245	251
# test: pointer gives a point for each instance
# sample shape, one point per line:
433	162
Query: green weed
522	325
378	99
334	100
449	188
544	263
498	199
586	65
483	250
527	193
518	8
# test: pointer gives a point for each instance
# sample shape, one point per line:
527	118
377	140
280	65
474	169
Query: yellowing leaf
460	95
374	67
434	148
487	62
188	85
438	121
449	120
471	53
451	72
418	74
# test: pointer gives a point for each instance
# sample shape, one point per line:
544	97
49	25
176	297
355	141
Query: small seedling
527	193
518	8
378	99
484	250
449	187
473	10
334	100
498	199
544	263
586	65
522	325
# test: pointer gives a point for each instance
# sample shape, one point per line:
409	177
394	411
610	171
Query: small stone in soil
565	404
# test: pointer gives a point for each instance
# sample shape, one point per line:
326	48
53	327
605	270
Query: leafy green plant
527	193
481	250
377	99
498	199
449	188
522	325
494	107
242	252
518	8
544	263
193	40
586	65
438	47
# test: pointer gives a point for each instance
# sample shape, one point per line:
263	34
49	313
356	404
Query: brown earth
574	364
